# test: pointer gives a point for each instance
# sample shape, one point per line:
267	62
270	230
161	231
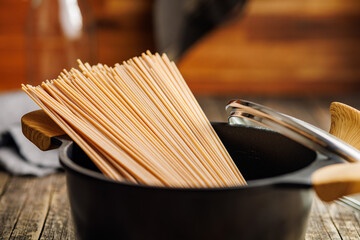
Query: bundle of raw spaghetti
138	122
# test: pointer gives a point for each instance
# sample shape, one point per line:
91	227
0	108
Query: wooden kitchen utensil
345	123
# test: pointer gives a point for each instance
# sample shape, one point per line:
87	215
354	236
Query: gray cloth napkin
17	154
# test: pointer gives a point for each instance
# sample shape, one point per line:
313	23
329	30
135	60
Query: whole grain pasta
138	122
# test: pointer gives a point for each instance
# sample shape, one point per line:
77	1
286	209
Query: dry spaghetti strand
138	122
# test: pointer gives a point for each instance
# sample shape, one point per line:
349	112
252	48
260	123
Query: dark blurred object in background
179	24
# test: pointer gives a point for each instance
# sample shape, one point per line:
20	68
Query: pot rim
300	178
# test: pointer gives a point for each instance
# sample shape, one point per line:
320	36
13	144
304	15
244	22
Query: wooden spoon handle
335	181
40	129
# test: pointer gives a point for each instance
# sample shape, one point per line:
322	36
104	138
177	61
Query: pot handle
335	181
339	180
41	130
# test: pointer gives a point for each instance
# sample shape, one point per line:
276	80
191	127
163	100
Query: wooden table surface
38	208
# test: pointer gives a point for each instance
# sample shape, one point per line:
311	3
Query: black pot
274	205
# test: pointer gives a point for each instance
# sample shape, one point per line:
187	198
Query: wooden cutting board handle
41	130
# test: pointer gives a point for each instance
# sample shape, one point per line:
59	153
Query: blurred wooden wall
124	30
275	47
280	47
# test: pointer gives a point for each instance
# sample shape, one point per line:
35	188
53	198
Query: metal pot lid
247	113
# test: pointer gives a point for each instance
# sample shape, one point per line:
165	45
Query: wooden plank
346	221
321	223
333	221
4	179
32	207
35	208
58	224
12	202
